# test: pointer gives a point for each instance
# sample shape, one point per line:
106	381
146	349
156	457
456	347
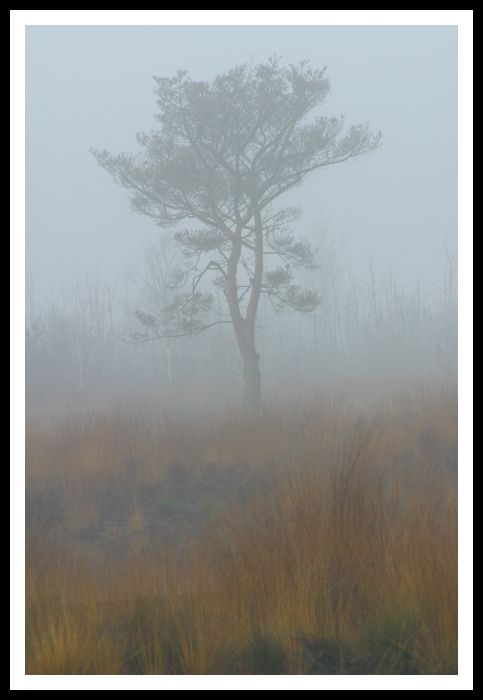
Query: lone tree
224	153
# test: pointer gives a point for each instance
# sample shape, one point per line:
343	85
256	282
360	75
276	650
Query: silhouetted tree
224	153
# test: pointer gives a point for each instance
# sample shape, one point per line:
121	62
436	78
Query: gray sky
92	86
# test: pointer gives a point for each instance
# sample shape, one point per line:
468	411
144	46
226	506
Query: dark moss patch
264	656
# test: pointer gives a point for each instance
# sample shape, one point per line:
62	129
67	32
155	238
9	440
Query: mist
390	214
92	87
241	350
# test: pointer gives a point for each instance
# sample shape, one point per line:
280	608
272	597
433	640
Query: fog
92	87
384	224
241	350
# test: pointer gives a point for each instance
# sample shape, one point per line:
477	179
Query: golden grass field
320	540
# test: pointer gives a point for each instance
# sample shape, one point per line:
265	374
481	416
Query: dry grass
318	541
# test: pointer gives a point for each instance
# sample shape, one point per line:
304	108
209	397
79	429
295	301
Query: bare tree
225	152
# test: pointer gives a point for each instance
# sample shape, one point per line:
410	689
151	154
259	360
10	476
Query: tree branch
141	340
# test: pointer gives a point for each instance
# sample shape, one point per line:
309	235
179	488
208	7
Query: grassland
322	539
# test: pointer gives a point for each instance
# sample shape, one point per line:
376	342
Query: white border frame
19	19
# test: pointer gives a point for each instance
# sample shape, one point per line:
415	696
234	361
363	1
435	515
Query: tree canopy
224	152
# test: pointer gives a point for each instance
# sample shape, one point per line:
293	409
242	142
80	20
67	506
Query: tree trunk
251	359
245	327
252	395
